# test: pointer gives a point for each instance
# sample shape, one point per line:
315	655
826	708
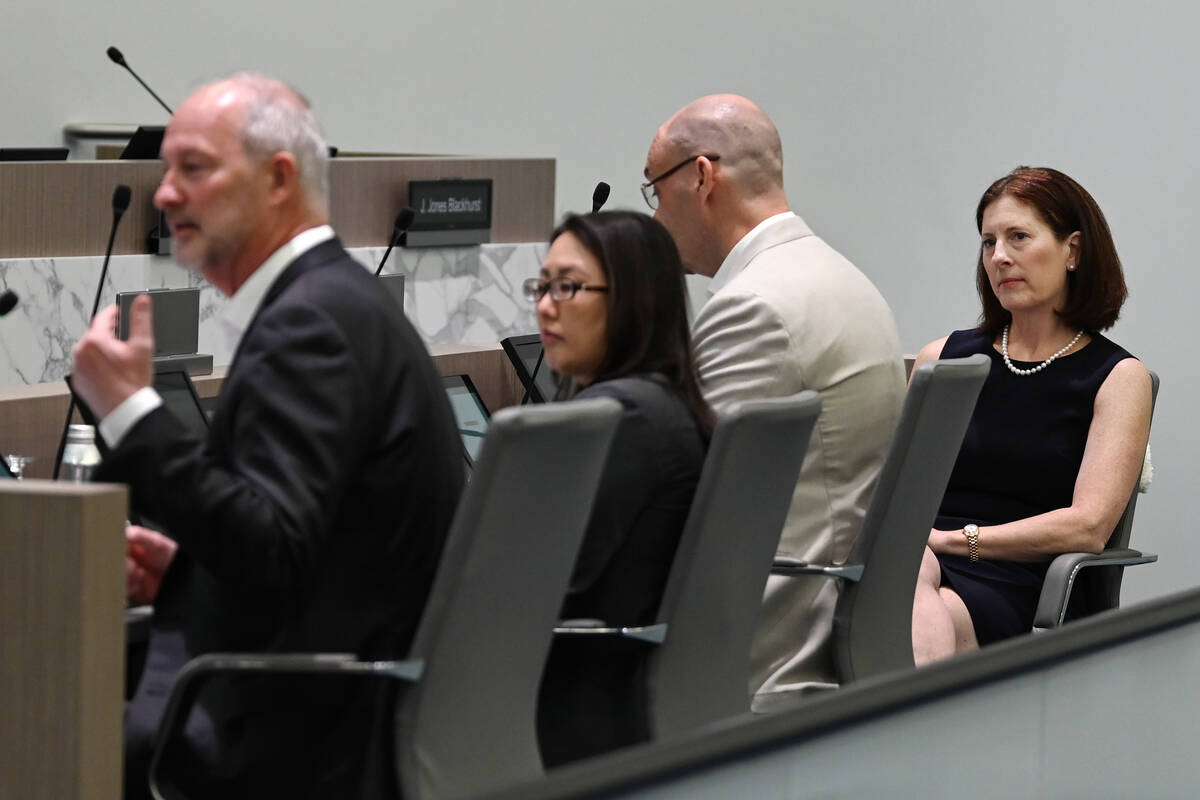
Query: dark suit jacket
311	519
592	697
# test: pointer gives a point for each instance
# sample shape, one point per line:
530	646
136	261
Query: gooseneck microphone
8	301
600	196
120	202
403	220
119	59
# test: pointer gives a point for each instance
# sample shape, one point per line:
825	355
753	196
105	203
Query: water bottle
80	456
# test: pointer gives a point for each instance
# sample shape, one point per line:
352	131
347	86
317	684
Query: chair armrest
137	624
198	670
1060	580
794	566
653	634
581	622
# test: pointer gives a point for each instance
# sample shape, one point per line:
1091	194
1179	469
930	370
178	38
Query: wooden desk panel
58	209
62	612
366	194
65	208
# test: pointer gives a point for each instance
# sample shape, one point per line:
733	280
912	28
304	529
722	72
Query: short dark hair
647	328
1096	288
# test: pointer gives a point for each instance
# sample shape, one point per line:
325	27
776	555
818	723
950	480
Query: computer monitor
529	362
470	414
179	396
33	153
145	143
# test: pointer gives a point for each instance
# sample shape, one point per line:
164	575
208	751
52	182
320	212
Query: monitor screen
33	153
470	414
180	398
145	143
525	353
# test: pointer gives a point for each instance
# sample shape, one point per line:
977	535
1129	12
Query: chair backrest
1099	588
873	617
468	724
713	597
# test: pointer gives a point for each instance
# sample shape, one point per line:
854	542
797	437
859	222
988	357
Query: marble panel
452	295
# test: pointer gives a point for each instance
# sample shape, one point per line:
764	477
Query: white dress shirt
737	258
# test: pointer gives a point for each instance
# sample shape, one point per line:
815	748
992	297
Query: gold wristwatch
971	531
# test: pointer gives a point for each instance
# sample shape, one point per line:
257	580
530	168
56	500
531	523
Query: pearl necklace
1039	367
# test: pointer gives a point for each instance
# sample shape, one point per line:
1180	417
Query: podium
62	665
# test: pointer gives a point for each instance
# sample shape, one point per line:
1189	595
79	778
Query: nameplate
176	319
450	212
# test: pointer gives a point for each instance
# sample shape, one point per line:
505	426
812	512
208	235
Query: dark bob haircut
1096	289
647	328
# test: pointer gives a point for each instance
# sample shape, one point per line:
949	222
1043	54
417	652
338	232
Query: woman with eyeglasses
612	314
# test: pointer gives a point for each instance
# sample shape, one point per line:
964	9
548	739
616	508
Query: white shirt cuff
118	422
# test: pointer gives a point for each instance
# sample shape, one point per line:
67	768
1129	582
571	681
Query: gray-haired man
313	515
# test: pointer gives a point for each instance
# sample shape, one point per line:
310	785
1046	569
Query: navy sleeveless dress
1020	458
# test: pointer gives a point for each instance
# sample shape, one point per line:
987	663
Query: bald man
786	312
312	517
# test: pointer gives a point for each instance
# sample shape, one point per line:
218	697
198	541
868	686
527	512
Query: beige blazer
789	313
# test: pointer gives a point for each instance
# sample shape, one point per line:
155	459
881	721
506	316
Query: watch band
971	531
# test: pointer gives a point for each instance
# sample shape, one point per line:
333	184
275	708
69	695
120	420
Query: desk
31	417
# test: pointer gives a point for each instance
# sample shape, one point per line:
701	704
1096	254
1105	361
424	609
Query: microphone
600	196
120	202
8	301
118	58
403	221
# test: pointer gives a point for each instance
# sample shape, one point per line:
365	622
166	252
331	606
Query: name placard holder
450	212
176	329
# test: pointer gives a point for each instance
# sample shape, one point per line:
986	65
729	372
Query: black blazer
311	519
592	697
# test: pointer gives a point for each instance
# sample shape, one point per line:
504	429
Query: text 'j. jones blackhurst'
451	205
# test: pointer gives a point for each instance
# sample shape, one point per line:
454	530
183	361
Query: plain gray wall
894	116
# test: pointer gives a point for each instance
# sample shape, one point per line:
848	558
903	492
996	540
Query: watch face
971	529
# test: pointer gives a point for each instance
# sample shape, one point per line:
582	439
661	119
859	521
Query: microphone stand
120	202
403	221
118	58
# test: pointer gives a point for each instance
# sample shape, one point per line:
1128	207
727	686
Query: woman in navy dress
1058	435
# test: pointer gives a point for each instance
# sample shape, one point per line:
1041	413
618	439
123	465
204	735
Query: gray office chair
466	723
699	670
1097	589
872	624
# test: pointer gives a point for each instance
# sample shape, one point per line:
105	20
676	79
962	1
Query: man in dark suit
313	516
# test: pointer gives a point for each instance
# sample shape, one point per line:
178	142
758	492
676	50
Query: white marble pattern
452	295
